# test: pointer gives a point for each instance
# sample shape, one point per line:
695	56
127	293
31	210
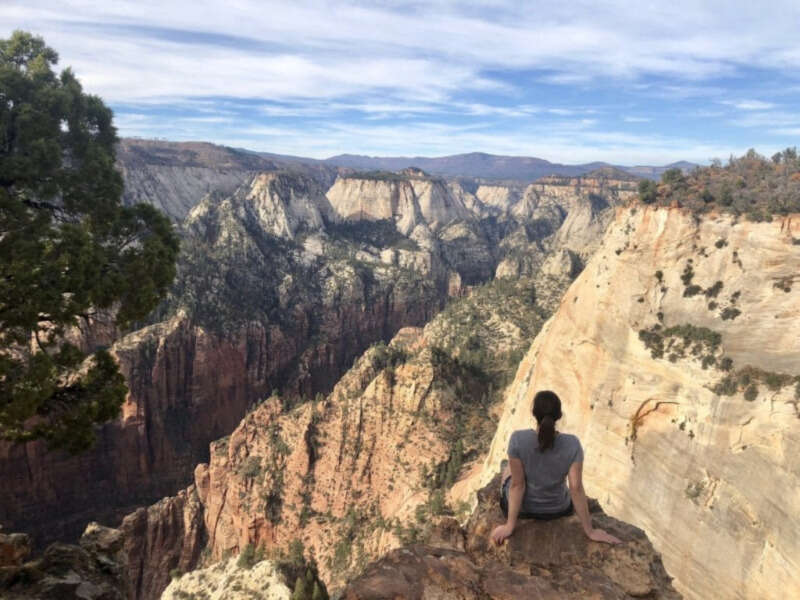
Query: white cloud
749	104
421	50
637	119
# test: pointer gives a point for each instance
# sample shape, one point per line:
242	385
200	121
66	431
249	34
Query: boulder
543	560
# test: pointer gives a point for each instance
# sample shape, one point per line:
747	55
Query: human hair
546	411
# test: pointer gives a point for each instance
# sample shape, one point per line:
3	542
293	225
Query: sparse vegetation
679	340
750	185
730	313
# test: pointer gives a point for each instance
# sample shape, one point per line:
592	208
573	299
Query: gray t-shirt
545	472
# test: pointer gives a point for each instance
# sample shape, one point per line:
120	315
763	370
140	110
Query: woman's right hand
599	535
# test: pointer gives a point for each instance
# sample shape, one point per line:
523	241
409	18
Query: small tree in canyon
68	248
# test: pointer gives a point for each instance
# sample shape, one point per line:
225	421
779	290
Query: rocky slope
676	353
249	312
94	569
543	560
175	176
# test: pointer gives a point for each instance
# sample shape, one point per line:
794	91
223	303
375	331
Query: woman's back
545	471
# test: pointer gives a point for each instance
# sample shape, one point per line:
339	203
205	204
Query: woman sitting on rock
539	463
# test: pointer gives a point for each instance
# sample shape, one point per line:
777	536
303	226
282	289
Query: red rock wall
187	388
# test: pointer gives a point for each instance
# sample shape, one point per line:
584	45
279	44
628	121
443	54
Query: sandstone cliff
175	176
676	354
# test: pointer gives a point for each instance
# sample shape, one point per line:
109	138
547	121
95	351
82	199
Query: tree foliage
68	248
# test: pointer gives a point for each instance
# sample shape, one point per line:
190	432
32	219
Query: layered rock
351	475
175	176
676	355
408	200
543	560
335	474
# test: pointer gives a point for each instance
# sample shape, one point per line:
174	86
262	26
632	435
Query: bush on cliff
67	248
750	185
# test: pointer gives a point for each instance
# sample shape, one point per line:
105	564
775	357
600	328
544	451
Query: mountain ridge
480	165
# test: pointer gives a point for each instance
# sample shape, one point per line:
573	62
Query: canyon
280	287
343	356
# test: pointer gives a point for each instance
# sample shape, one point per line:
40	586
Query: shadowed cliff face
676	353
275	291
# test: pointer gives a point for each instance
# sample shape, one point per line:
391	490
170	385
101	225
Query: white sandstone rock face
498	197
283	204
713	479
227	581
409	201
436	203
279	204
355	198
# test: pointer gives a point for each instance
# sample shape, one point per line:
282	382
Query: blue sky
625	82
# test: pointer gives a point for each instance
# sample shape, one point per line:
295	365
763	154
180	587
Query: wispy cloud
749	104
338	75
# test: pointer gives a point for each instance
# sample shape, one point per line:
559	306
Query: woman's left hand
502	532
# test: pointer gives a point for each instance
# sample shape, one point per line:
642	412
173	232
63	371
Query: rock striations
677	355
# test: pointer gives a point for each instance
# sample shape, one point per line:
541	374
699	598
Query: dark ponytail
546	410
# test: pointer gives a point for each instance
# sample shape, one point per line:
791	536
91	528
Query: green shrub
730	312
751	393
247	558
250	467
714	290
648	191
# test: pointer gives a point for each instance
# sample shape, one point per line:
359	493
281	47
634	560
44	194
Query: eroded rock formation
279	291
676	354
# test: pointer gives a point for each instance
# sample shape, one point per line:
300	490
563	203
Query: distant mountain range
481	165
474	164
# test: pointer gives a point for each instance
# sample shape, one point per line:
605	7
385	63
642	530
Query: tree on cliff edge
67	248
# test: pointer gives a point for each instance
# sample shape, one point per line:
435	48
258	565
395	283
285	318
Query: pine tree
68	248
317	594
300	589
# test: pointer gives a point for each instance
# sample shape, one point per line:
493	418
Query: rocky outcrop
676	355
543	560
175	176
249	313
407	200
92	570
160	540
227	581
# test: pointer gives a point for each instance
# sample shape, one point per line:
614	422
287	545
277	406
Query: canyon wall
249	312
676	354
281	286
365	469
